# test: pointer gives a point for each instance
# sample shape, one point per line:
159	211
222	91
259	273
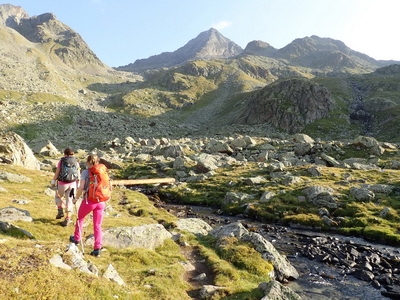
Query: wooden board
142	181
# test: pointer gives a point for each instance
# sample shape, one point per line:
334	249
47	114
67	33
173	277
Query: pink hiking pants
98	212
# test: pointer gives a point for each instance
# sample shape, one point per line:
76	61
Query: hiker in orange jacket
96	189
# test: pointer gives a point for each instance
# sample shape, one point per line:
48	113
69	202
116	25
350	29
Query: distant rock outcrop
207	45
259	48
289	105
317	52
11	15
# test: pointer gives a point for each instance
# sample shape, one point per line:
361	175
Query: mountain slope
325	53
42	55
207	45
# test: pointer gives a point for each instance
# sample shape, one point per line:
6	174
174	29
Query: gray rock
275	167
290	180
315	171
14	150
303	149
273	290
321	196
263	156
208	291
384	212
206	163
254	180
379	188
74	257
328	221
113	275
330	161
143	157
146	236
282	267
302	138
173	151
220	147
200	277
232	197
266	197
14	177
194	225
58	262
8	227
362	194
181	163
46	148
365	142
11	214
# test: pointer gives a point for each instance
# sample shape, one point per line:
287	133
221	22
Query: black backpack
68	169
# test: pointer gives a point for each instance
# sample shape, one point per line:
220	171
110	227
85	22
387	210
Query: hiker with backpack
66	178
96	189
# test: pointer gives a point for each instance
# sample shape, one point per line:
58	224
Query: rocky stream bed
330	266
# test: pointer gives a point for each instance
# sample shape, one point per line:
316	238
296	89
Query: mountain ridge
209	44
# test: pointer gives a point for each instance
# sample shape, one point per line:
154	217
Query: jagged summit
11	15
209	44
65	44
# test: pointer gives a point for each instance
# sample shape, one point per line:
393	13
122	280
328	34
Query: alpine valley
305	137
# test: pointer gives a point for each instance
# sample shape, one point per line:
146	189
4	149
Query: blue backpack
68	170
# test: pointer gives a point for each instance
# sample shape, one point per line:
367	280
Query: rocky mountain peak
45	28
10	15
209	44
259	48
306	45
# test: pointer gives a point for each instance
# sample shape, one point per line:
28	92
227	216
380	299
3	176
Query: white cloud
221	25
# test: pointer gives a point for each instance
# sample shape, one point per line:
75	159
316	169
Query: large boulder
273	290
282	267
12	214
11	177
146	236
321	196
194	225
369	143
14	150
46	148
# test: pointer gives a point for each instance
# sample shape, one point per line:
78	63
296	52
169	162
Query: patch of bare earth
200	267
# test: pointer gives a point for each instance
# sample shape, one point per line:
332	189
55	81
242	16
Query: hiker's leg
98	214
59	202
59	193
68	199
84	210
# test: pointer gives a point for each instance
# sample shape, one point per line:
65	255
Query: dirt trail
200	267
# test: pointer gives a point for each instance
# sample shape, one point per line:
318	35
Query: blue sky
121	31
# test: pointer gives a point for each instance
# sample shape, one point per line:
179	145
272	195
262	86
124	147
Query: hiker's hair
93	159
69	151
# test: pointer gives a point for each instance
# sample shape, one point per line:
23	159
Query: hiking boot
66	222
95	252
60	213
72	240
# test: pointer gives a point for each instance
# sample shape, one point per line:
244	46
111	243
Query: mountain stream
318	280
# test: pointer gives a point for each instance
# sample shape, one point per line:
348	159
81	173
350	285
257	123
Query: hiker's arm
56	174
53	181
80	189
